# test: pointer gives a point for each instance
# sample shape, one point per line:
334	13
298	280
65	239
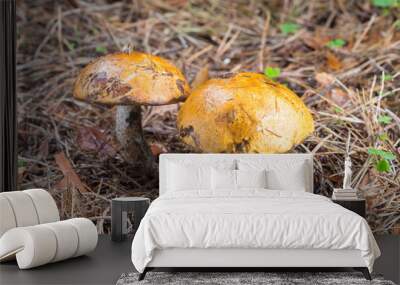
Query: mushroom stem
129	131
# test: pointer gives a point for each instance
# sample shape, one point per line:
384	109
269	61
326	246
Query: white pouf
31	232
87	235
67	237
37	245
7	218
45	206
22	208
26	208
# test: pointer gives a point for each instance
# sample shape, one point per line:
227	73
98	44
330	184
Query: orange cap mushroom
130	80
245	112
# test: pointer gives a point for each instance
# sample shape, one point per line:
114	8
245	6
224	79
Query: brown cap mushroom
130	80
246	112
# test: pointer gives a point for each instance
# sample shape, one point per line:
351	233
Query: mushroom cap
246	112
131	78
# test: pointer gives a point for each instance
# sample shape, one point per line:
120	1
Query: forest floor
341	57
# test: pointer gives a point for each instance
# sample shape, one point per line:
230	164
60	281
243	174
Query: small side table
120	207
356	205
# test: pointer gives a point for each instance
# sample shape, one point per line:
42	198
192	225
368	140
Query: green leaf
397	24
384	120
338	110
289	28
71	46
384	3
387	77
272	72
382	165
336	43
21	163
381	153
101	49
385	12
383	137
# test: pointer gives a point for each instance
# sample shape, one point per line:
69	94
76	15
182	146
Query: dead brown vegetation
68	147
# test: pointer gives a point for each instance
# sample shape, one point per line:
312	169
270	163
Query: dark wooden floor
103	266
110	260
389	263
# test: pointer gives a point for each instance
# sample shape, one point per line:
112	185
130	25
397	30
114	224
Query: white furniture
283	225
345	194
231	161
31	231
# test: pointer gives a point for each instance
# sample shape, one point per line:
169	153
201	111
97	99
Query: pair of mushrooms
243	112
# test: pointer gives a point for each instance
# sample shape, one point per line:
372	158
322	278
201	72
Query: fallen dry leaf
21	172
396	229
43	149
69	173
371	200
176	3
157	149
348	63
92	139
335	178
338	96
365	180
324	79
333	62
315	40
62	184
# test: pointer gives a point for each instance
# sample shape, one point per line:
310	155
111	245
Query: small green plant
21	163
71	45
397	25
385	3
385	120
101	49
382	153
272	72
382	165
338	110
289	28
382	159
336	43
383	137
387	77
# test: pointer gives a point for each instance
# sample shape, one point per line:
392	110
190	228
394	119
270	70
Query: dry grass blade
70	176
